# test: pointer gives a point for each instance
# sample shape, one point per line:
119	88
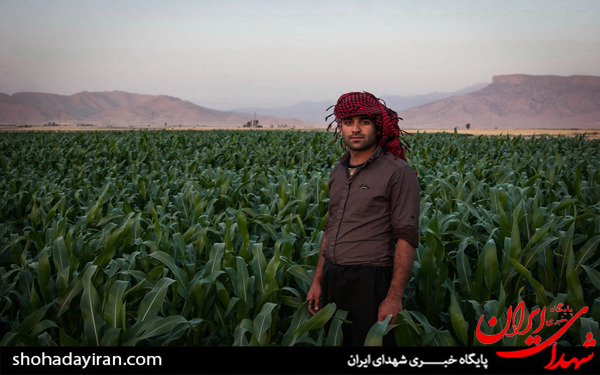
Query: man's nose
355	126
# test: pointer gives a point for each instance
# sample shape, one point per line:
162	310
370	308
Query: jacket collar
376	154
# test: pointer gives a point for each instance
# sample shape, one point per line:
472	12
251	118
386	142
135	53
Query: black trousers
358	289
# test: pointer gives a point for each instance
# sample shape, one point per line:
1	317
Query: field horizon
526	132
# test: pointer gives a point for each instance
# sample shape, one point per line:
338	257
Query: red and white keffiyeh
366	104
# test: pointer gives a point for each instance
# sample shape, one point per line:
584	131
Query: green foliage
211	237
507	220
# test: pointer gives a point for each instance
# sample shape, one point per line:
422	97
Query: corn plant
503	220
212	237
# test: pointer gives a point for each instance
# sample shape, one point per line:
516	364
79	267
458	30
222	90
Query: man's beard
365	144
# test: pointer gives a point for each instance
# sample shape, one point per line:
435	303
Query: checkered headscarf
366	104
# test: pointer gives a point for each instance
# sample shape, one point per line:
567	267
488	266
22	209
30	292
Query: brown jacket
370	210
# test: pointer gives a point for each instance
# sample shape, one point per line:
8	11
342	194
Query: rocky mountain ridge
516	101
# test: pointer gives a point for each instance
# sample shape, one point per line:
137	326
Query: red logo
515	325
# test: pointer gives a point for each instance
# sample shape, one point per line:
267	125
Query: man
372	230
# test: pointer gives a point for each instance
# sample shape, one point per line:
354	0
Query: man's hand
314	298
403	262
389	306
315	292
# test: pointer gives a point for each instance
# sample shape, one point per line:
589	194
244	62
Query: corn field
211	238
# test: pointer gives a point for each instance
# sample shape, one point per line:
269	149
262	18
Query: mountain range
118	108
516	101
510	101
316	111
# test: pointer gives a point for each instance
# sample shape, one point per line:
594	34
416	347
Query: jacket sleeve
405	201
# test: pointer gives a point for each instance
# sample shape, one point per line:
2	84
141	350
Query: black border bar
293	360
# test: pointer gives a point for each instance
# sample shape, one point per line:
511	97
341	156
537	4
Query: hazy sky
228	54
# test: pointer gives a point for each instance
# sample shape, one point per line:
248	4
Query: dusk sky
229	54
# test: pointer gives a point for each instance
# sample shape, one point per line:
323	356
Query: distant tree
468	126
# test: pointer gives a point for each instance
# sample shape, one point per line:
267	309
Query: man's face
359	133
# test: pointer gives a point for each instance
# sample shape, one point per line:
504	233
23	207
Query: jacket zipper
341	219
